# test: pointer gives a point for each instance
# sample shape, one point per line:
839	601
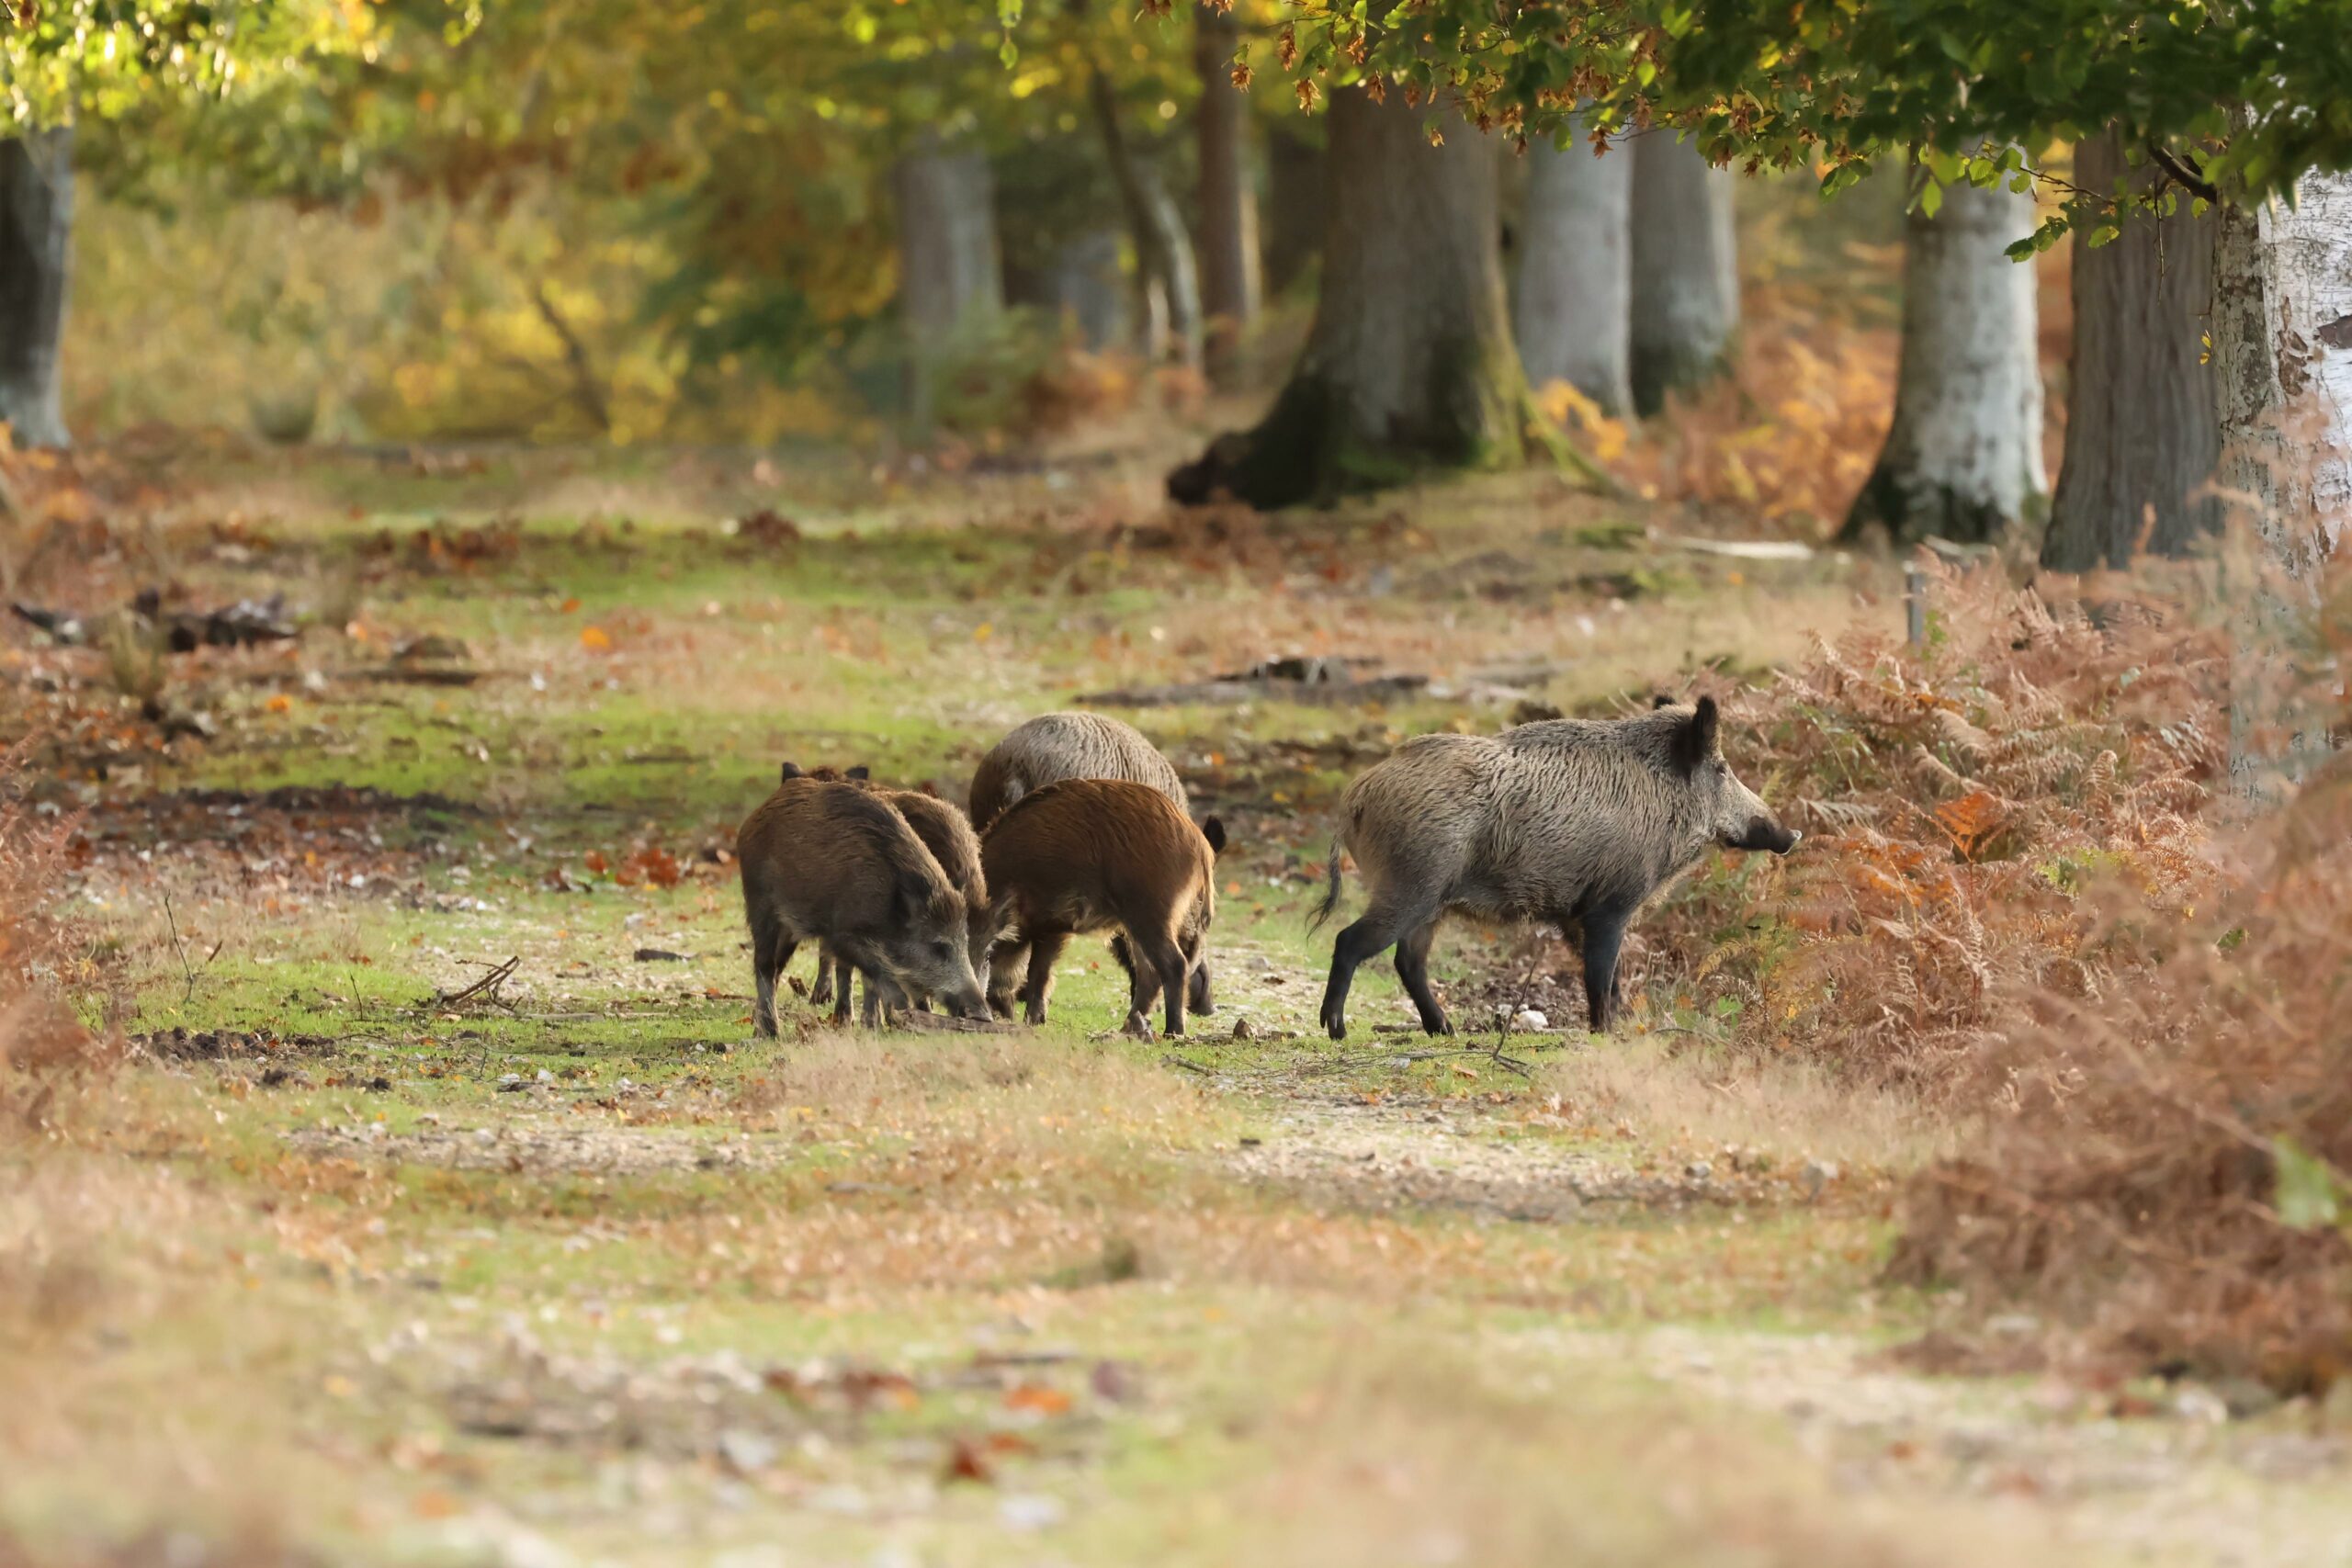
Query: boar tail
1330	891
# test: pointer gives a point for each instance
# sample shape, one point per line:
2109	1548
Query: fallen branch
484	989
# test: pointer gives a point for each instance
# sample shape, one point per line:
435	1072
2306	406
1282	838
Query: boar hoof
1138	1026
1034	1015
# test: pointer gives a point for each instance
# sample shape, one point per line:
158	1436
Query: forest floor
359	1258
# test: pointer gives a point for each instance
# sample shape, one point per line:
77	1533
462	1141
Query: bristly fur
1057	746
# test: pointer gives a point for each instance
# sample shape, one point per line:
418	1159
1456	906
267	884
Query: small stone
1817	1175
1699	1170
1030	1511
2245	1397
1530	1020
746	1452
2201	1404
2013	1326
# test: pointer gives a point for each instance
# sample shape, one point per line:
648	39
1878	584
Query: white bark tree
35	229
1573	313
2282	345
950	274
1963	457
1684	260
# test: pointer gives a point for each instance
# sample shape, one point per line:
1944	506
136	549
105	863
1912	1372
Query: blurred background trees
1361	250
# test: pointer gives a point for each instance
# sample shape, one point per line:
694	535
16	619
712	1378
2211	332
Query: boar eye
939	949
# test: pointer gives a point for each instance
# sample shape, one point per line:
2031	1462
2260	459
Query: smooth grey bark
1297	194
1685	309
1573	313
1161	244
2282	349
951	277
1409	360
1963	457
36	234
2142	427
1084	287
1230	284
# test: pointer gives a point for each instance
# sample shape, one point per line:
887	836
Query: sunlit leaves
61	59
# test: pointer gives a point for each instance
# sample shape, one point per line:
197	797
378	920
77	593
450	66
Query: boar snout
973	1006
1764	833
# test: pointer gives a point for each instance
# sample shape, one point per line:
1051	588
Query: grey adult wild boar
1057	746
825	862
1102	854
1579	822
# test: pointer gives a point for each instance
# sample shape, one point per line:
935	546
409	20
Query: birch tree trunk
36	232
2282	345
1964	458
1685	300
1409	361
1576	276
951	277
2143	432
1228	202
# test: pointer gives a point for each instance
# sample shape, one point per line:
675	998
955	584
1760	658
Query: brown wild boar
824	862
1577	822
1102	854
948	835
1057	745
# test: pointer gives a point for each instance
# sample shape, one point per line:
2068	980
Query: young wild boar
1573	821
1101	854
825	862
1057	745
948	835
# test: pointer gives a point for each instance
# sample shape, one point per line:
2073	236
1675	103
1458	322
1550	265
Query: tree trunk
1297	197
1576	276
1161	244
950	275
36	228
1409	360
1229	285
1964	458
1084	287
2143	433
1685	268
2282	350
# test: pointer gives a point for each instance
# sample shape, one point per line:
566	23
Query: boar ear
791	772
1214	832
1695	743
859	771
1660	700
909	898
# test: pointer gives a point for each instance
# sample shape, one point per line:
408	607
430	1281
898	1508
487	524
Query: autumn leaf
1037	1397
595	639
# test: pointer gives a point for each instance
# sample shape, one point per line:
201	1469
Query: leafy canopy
2229	95
64	59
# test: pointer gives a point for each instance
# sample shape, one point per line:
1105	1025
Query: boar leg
882	997
1044	947
1364	940
1143	987
1413	968
822	991
1604	934
771	949
1005	974
1166	962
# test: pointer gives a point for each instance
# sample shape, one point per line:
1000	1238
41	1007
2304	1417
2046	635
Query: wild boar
1577	822
1102	854
946	832
1057	745
825	862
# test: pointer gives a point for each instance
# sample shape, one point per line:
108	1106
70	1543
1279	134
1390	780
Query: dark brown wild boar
1102	854
1576	822
824	862
947	834
1057	745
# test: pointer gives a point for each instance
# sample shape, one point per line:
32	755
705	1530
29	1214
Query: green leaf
2309	1196
1931	199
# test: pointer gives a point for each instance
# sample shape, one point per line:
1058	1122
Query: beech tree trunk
1161	244
1685	269
2143	431
2282	348
950	275
1573	315
1228	202
1297	195
36	230
1409	361
1964	458
1084	287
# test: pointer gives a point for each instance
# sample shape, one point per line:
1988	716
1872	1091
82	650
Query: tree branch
2183	175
